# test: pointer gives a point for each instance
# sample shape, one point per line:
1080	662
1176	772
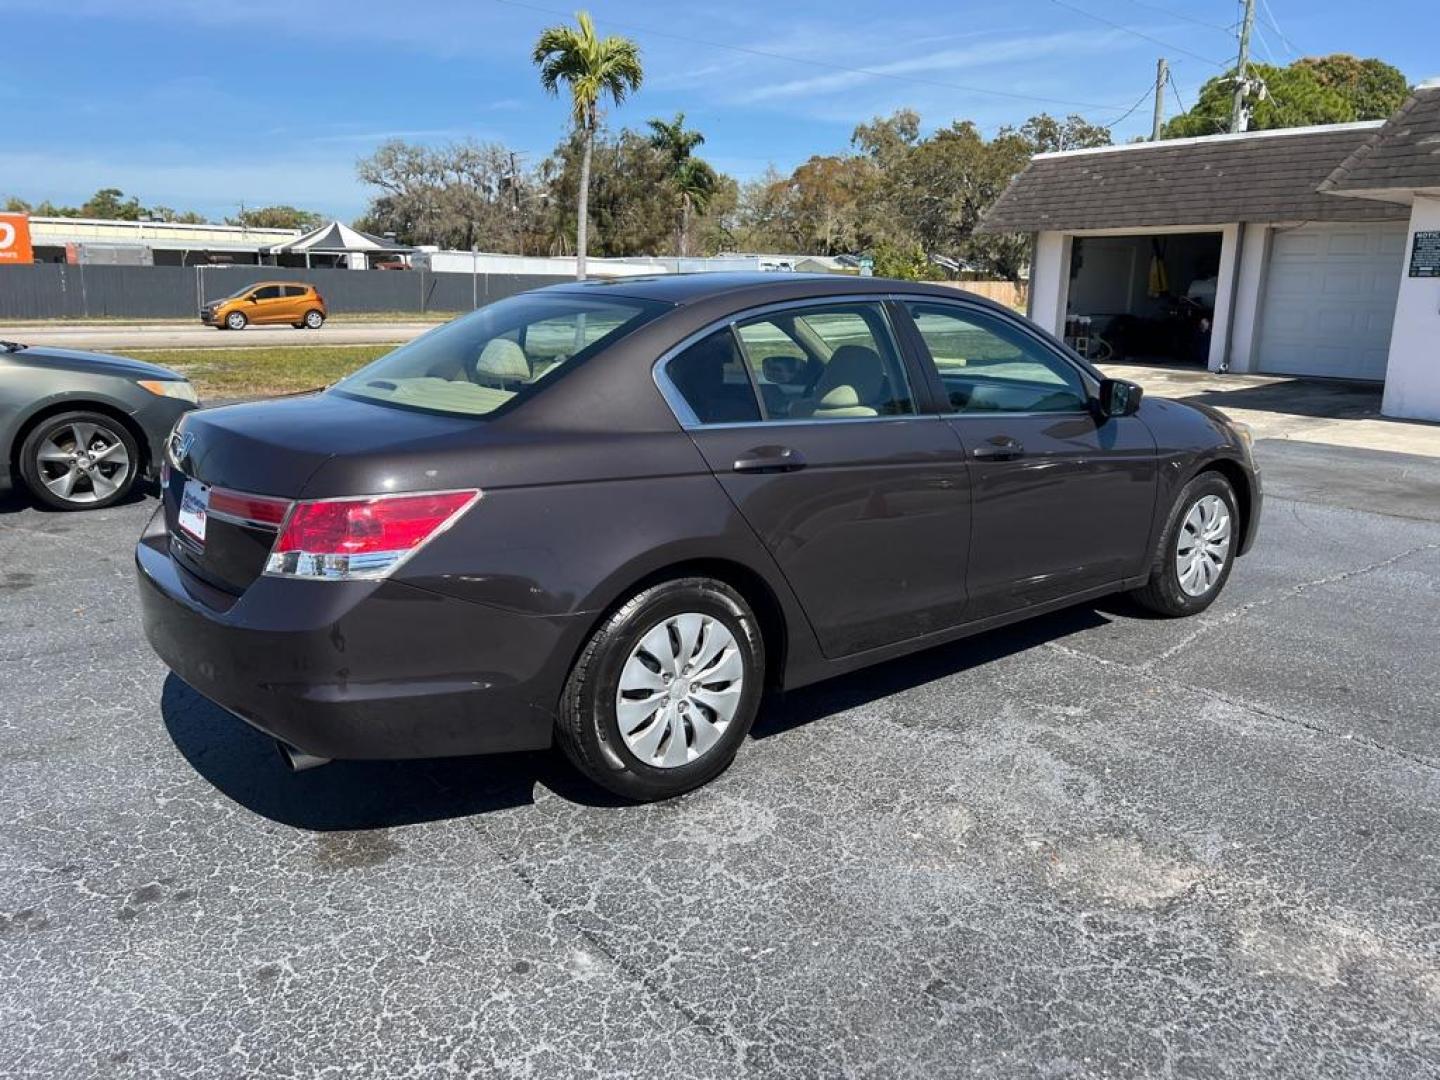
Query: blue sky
187	103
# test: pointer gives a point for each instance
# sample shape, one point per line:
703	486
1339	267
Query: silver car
79	429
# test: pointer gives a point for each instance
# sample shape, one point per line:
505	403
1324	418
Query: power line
1138	102
1275	25
1137	33
1186	18
867	72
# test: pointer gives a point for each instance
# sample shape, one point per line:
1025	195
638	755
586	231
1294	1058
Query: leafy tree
282	216
692	179
16	205
593	68
1325	90
1374	88
456	196
182	217
905	261
111	204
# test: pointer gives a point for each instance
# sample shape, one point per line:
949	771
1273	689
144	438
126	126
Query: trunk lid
273	448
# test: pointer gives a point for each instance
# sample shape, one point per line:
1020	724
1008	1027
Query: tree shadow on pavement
245	766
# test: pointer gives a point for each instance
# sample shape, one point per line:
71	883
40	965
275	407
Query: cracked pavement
1093	845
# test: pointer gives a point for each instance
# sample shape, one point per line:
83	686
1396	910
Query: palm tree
592	67
694	181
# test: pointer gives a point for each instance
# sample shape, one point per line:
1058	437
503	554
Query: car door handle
768	459
999	450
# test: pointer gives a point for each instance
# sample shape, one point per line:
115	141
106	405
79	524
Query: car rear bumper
357	670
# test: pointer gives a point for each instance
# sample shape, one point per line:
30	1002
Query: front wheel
79	461
1196	551
236	320
665	690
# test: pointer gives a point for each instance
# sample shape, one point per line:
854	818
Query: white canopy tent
340	244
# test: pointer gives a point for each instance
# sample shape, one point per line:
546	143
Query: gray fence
54	290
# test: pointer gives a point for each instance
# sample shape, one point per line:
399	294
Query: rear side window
485	361
831	362
297	290
710	376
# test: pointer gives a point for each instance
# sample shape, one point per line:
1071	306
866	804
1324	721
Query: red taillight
256	509
362	538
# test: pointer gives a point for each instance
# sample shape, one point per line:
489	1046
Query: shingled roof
1403	156
1215	180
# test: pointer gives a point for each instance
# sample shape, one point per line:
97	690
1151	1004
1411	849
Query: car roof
757	286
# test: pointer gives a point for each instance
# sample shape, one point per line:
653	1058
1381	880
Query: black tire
314	319
1163	593
588	726
94	487
297	326
236	320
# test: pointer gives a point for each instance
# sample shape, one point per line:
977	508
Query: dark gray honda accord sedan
79	429
617	514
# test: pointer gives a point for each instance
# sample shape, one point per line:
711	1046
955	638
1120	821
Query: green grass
235	373
340	317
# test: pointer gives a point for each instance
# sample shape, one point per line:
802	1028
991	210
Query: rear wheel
236	320
1196	551
665	690
314	319
79	461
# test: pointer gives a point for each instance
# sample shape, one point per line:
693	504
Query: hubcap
1203	545
679	690
83	463
313	320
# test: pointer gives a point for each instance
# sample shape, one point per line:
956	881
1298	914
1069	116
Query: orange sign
15	239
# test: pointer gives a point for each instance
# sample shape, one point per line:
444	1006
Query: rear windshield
484	361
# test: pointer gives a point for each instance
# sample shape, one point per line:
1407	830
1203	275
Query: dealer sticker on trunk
194	504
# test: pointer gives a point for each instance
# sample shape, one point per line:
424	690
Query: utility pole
1239	114
1162	72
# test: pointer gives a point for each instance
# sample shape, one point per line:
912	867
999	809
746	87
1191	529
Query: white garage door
1330	299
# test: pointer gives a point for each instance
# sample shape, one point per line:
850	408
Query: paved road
1095	846
99	336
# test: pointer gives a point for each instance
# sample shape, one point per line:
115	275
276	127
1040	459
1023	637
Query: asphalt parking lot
1095	845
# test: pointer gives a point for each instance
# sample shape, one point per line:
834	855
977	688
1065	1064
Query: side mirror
1119	397
783	370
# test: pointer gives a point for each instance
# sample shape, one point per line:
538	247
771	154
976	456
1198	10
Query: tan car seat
851	385
502	361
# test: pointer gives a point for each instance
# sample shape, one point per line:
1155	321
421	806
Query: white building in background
1312	251
149	243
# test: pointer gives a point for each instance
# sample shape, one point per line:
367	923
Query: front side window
482	362
267	292
988	365
830	362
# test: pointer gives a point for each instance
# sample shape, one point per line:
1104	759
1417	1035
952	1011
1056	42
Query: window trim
1088	379
686	417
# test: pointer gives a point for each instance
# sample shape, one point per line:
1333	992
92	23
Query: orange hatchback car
267	302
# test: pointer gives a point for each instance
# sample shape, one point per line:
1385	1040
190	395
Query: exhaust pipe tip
299	760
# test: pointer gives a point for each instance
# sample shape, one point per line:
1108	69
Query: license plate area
194	509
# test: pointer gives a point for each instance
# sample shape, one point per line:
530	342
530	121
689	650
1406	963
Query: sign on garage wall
15	239
1425	255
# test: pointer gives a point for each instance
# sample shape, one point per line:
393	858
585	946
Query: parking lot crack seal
1285	594
627	969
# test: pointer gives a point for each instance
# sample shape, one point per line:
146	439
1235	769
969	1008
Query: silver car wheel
314	320
679	690
1203	545
83	463
235	320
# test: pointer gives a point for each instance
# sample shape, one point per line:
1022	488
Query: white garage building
1305	251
